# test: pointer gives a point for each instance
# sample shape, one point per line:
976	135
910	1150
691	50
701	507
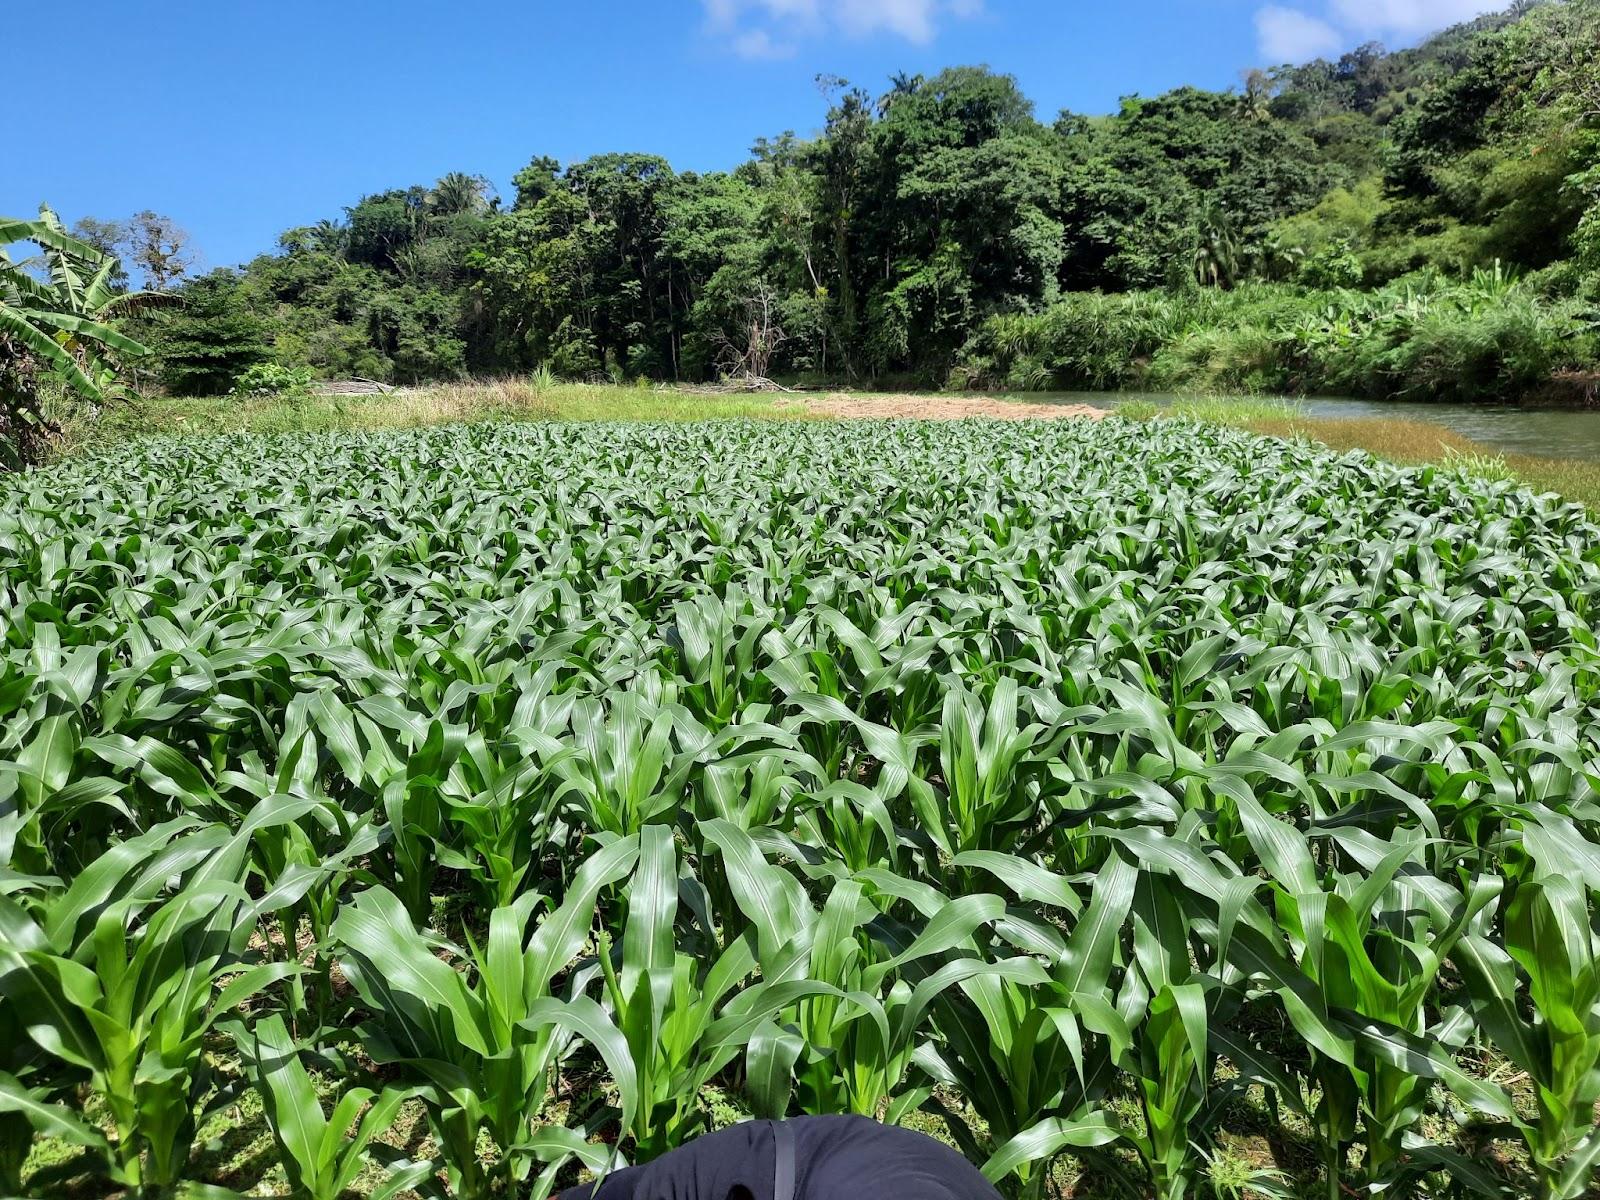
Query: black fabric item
835	1158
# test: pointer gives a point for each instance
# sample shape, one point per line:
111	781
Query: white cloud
760	44
1288	35
1294	35
1409	17
773	28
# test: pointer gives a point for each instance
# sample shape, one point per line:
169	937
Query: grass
441	404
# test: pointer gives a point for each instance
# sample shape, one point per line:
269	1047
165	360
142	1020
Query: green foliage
273	379
320	1155
209	342
54	330
1335	265
541	776
1187	182
881	248
1489	337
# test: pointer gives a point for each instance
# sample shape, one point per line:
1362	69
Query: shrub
1489	336
273	379
1333	266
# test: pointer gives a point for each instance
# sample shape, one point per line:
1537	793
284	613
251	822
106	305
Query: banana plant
61	321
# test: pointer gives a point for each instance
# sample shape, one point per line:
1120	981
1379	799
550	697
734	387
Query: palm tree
459	192
901	85
54	322
1218	253
328	236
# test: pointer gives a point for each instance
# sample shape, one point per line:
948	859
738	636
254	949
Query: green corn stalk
633	760
500	815
1173	1078
1248	952
481	1053
717	639
664	1002
859	1006
121	977
34	1110
988	801
623	774
1372	944
1549	932
1035	1059
322	1154
131	1007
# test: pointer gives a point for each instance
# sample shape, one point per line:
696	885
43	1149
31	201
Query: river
1548	433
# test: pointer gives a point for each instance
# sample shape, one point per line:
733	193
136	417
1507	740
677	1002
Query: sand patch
940	408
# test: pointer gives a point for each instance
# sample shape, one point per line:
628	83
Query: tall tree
158	248
211	340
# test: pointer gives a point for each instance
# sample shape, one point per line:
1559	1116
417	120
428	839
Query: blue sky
241	118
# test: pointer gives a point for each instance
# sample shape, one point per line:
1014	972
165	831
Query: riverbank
847	406
1490	337
1404	441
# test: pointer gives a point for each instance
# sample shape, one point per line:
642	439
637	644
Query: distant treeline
942	233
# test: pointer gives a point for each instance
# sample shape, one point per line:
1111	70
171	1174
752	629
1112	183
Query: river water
1549	433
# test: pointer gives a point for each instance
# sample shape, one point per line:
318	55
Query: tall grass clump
461	810
1489	337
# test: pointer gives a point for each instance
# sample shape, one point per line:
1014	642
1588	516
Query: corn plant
322	1153
484	1046
131	1009
1550	935
1077	786
664	1002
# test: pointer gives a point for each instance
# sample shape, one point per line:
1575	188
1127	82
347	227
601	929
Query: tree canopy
878	247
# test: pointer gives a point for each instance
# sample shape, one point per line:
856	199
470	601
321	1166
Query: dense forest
1419	222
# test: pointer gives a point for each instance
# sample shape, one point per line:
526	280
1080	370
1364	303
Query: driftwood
352	387
738	385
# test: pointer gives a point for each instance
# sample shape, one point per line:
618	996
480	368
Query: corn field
1109	798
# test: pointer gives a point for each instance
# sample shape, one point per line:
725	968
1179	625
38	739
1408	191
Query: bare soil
940	408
